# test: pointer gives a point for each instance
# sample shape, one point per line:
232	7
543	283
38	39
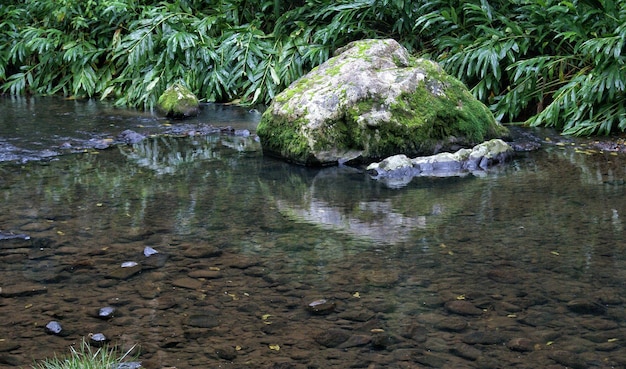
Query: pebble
520	344
189	283
22	289
54	327
332	337
462	307
97	339
106	312
451	324
321	307
483	338
124	272
202	321
466	351
587	306
149	251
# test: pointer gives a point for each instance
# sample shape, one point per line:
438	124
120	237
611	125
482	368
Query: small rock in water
128	365
321	307
106	312
129	264
97	339
54	327
147	251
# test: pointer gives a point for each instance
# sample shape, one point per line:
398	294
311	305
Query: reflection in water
523	268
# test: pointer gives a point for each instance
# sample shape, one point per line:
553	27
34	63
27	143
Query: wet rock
54	327
128	365
484	338
452	324
8	345
382	277
202	321
587	306
124	272
462	307
155	261
202	252
22	289
466	352
13	236
431	360
381	340
149	251
504	275
321	307
225	352
106	312
207	274
568	359
520	344
416	332
332	337
97	339
189	283
356	340
130	137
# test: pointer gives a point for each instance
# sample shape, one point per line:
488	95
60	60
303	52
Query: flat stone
332	337
520	344
452	324
208	274
22	289
190	283
123	273
356	340
568	359
201	252
466	351
202	321
462	307
484	338
8	345
587	306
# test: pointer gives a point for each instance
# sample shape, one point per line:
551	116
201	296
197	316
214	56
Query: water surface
521	268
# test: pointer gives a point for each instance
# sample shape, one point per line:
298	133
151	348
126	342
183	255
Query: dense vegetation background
542	62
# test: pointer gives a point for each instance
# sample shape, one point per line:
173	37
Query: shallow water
521	268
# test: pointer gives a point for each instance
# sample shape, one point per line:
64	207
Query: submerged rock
370	101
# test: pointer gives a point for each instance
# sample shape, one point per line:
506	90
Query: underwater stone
54	327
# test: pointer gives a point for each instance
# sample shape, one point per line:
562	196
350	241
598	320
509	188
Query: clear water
521	268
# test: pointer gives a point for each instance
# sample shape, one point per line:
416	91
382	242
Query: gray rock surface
370	101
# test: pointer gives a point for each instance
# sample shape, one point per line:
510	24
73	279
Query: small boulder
178	102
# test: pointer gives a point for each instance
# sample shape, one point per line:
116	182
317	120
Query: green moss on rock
178	102
371	101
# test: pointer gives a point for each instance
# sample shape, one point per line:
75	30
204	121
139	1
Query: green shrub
545	62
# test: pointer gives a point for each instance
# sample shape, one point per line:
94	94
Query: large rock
373	100
178	102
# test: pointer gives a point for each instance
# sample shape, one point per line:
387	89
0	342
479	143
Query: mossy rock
178	102
373	100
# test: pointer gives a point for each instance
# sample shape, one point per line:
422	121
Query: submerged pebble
321	307
148	251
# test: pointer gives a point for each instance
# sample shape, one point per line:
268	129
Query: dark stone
155	261
587	306
202	321
332	337
22	289
462	307
225	352
124	273
6	346
484	338
356	340
466	351
452	324
430	359
520	344
568	359
321	307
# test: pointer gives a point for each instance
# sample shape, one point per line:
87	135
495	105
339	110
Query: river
262	264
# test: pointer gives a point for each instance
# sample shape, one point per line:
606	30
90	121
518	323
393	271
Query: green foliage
547	62
544	62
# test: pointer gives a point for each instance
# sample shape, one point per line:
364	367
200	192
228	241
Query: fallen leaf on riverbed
275	347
